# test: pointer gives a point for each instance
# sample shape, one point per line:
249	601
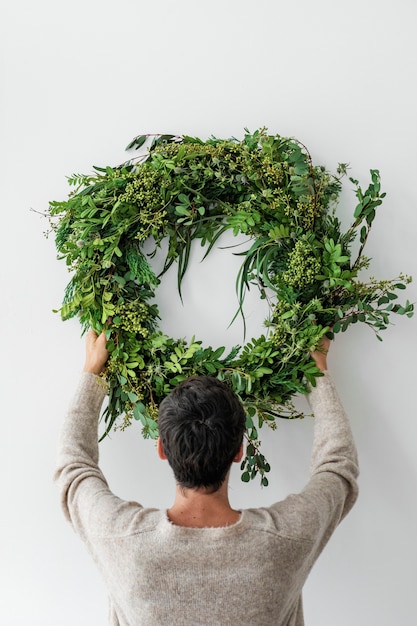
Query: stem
361	248
310	164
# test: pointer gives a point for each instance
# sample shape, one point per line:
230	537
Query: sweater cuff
323	385
93	387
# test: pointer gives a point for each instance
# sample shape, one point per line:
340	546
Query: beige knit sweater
247	574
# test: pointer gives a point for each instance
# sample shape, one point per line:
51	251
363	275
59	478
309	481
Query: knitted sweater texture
248	574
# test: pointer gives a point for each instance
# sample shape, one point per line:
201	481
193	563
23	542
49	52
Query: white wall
78	81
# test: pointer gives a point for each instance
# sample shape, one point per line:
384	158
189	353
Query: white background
78	81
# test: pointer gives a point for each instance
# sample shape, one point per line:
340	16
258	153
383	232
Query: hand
96	354
320	355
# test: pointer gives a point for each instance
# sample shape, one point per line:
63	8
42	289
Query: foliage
185	189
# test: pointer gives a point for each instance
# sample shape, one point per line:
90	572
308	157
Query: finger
101	340
90	339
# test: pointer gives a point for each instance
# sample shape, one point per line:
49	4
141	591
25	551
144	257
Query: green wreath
184	189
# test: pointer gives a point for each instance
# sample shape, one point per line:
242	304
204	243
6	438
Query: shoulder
304	516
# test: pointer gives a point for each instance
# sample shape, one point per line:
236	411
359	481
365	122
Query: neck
200	509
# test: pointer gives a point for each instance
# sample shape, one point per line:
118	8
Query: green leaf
358	210
181	210
336	327
245	477
184	199
137	142
139	410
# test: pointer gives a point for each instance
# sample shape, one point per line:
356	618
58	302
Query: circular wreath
184	189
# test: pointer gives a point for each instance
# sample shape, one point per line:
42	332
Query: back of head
201	427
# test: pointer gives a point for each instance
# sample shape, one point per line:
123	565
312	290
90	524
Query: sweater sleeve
78	476
334	452
332	489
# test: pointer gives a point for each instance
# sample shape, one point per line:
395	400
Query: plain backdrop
78	81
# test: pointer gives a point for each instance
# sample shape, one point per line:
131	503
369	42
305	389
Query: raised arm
334	451
78	453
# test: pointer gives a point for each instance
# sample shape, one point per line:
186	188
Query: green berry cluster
273	174
130	317
303	267
306	212
143	187
152	411
143	192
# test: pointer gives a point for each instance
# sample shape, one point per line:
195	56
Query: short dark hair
201	426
